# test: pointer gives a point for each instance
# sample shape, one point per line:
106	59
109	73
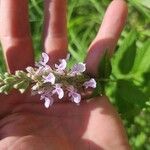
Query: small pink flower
78	69
59	91
44	60
91	83
48	100
62	66
49	79
75	97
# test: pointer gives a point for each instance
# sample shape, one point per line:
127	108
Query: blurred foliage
130	64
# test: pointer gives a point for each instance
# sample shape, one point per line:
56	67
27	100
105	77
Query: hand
24	122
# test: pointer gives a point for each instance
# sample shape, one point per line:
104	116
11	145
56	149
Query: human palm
24	122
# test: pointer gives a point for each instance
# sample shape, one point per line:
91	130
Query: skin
24	122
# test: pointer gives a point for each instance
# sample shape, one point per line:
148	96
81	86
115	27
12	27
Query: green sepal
21	74
1	77
9	80
6	74
24	87
19	85
5	89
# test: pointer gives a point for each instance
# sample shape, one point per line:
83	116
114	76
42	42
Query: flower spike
47	81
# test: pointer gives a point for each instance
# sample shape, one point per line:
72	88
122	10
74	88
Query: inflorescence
50	81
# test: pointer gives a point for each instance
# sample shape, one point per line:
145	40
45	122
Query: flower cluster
58	81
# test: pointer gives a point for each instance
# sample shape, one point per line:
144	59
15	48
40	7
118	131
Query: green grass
131	65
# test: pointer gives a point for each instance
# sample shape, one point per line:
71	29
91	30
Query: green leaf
129	98
146	84
143	10
104	68
142	63
123	60
104	71
145	3
127	61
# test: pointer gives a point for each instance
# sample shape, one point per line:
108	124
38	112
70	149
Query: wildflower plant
50	82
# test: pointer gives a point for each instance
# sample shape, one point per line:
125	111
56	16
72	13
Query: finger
15	34
108	34
55	29
106	120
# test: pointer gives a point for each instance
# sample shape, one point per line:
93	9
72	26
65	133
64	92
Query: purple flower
48	102
78	69
44	60
59	91
91	83
49	79
62	66
75	97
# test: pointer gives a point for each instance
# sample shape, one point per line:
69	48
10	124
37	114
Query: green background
130	64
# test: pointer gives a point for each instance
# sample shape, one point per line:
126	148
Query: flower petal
78	69
45	58
62	66
48	102
49	79
59	91
91	83
43	61
76	97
